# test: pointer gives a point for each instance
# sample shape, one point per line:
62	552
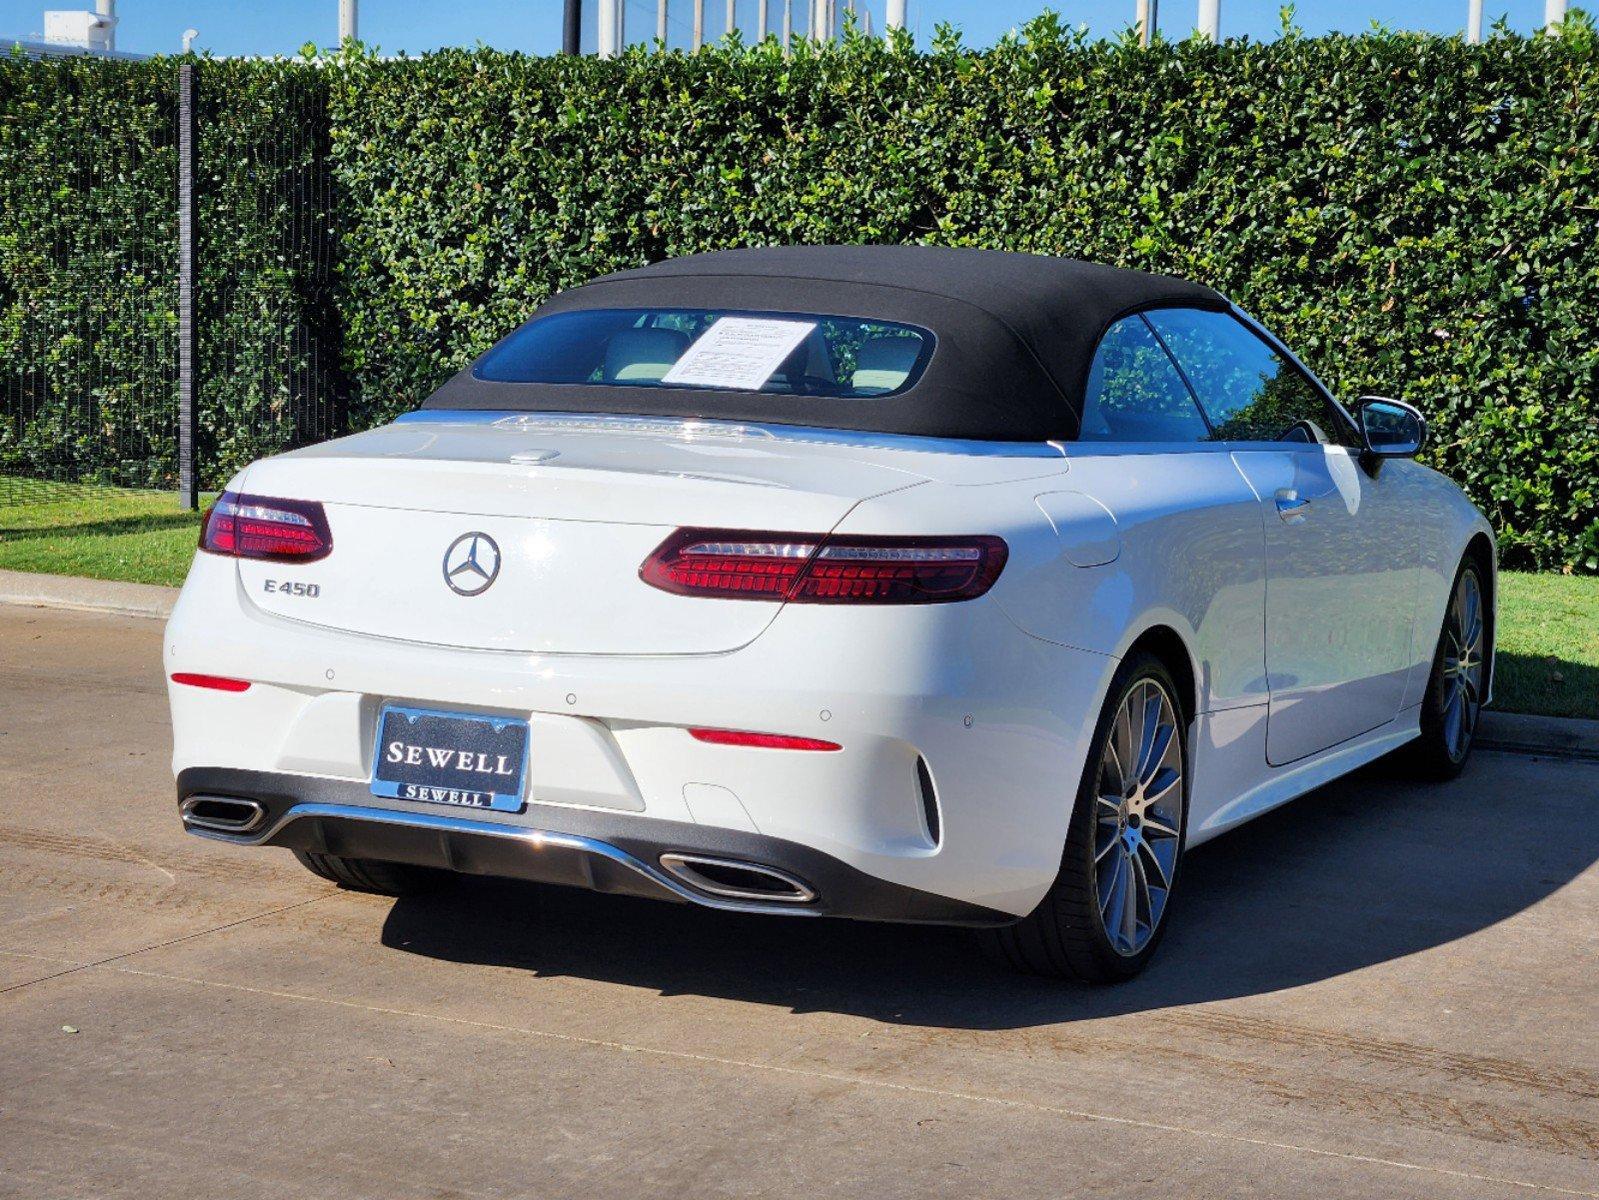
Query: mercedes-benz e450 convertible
895	583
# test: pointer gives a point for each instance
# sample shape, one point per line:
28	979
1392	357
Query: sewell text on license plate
462	759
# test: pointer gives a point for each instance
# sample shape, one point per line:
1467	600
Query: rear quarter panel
1171	536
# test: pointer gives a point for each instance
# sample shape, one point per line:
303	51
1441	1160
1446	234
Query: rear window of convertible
798	354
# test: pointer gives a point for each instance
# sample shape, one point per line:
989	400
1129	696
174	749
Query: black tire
1439	753
369	874
1065	937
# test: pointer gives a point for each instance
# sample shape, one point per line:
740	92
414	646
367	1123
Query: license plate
450	758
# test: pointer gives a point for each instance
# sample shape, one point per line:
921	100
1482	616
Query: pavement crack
187	937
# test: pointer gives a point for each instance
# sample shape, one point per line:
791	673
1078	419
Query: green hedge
1415	215
88	267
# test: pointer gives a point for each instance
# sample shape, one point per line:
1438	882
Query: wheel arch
1481	550
1168	645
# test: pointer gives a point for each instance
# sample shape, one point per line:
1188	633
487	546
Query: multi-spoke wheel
1106	911
1453	702
1140	806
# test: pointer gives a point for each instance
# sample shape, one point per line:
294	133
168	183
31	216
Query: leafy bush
88	267
1415	215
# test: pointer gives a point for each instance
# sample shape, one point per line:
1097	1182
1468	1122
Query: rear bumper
601	851
1000	719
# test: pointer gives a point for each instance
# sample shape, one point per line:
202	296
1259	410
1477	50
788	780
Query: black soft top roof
1014	333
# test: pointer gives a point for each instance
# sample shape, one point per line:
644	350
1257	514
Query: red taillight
741	564
246	526
219	683
763	741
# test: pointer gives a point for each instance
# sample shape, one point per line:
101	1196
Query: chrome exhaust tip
222	814
731	879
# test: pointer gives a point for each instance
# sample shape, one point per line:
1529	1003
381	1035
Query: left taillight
246	526
743	564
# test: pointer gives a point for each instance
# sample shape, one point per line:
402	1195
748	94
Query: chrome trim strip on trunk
700	429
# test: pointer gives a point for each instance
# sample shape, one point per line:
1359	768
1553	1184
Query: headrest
643	355
884	363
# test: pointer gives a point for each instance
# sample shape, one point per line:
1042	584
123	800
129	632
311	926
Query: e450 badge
295	587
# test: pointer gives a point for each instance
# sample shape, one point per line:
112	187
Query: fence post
188	474
572	27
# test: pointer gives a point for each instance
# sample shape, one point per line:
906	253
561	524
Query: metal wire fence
87	347
90	267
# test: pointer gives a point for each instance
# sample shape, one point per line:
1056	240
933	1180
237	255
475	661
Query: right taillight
246	526
742	564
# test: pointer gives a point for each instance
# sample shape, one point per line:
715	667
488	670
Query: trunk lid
570	512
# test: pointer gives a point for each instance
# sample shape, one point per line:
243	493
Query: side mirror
1390	428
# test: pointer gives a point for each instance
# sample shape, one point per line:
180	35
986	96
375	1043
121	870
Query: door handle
1291	506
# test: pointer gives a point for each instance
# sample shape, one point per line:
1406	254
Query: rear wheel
369	874
1105	913
1453	703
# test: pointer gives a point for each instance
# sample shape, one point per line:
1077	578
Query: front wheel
1453	702
1105	913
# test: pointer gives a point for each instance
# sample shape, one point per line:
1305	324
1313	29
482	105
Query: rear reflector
247	526
220	683
741	564
763	741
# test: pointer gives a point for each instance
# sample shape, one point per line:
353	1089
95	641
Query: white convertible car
896	583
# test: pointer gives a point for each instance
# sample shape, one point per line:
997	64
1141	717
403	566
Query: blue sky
282	26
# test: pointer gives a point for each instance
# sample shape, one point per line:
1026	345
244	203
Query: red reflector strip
762	741
220	683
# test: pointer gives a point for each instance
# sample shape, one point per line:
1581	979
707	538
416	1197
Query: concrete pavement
1383	990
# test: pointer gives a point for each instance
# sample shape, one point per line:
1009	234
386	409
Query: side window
1135	394
1249	391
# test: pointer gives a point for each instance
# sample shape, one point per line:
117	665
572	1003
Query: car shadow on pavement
1366	870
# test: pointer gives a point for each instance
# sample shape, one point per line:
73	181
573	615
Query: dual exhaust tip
731	879
222	814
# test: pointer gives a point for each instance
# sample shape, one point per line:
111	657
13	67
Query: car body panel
1341	554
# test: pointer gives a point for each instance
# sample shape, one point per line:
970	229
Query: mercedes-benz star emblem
471	563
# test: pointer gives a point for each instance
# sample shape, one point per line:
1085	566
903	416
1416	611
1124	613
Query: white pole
788	23
1474	21
760	20
621	25
106	10
699	23
895	18
732	16
1141	21
660	22
1210	19
607	29
1554	12
347	21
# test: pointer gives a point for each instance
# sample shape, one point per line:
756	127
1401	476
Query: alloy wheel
1138	810
1463	664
